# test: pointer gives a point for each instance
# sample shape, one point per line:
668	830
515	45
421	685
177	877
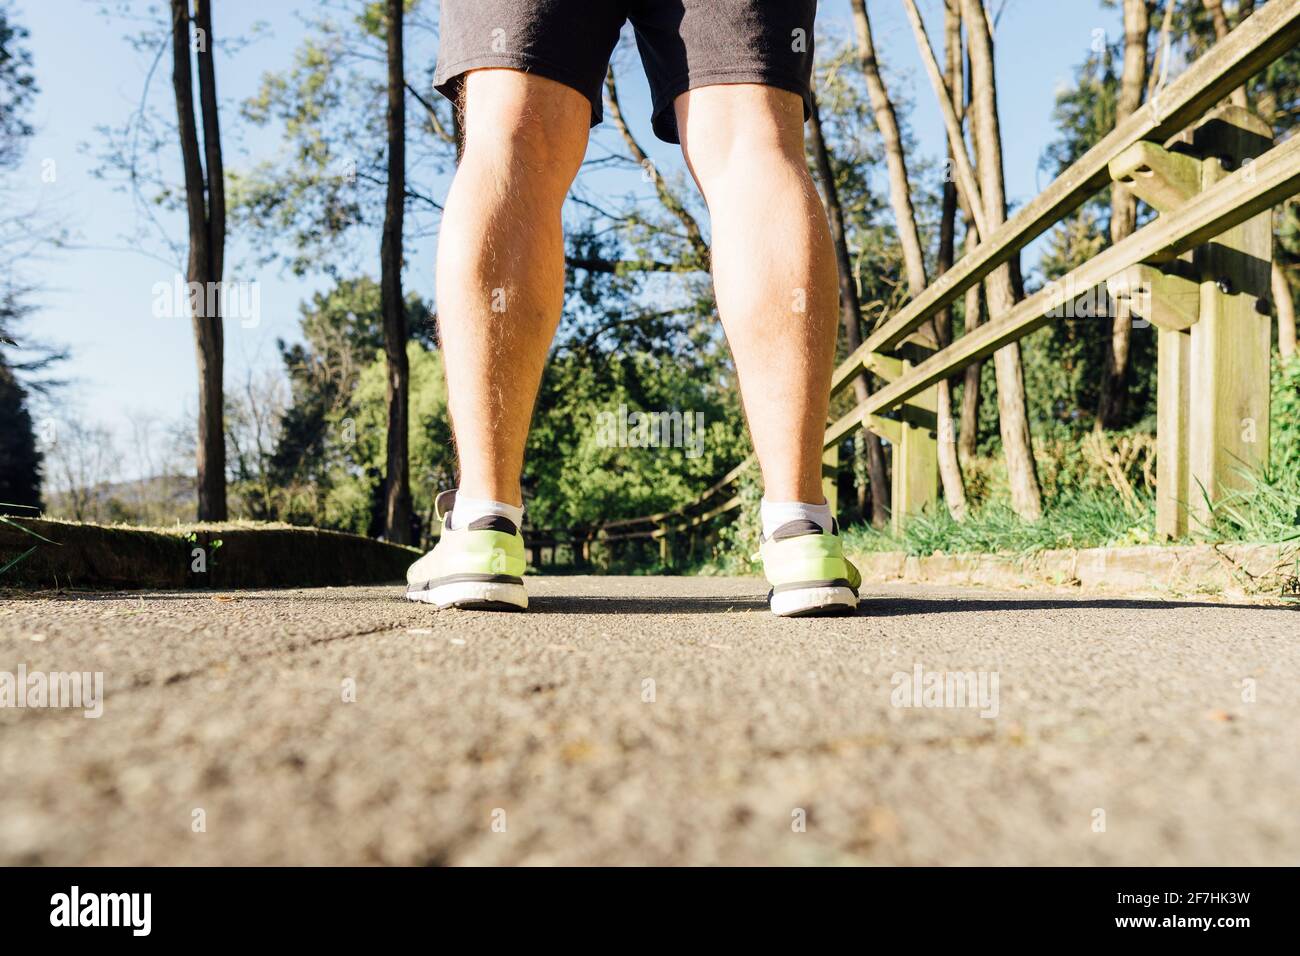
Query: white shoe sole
813	601
474	595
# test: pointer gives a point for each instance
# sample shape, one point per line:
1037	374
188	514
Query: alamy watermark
946	689
675	429
76	689
230	300
1069	300
133	911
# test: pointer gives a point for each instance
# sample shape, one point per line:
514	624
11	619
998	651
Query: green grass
14	562
1083	520
1266	508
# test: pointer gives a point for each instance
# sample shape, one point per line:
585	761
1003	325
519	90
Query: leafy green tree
319	203
17	87
629	342
342	331
354	501
20	459
343	166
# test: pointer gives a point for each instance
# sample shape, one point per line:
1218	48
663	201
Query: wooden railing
1199	272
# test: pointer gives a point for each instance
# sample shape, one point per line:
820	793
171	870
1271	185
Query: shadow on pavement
882	606
888	606
671	604
877	605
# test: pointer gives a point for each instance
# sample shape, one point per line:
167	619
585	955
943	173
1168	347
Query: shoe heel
474	596
813	602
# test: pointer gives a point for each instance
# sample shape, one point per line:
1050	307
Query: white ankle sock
777	513
465	509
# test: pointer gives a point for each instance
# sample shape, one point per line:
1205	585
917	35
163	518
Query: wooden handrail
1267	34
1241	196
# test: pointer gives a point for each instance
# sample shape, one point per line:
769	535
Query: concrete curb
98	556
1230	569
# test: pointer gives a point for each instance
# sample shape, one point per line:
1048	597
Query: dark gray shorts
684	44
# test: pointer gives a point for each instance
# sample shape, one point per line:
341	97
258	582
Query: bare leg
773	271
501	266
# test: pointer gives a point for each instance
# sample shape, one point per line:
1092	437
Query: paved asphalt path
477	738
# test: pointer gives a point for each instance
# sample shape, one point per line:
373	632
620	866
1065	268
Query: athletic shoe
478	567
808	571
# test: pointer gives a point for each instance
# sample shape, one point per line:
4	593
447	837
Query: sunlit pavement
652	720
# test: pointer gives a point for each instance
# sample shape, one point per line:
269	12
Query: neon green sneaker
477	567
808	571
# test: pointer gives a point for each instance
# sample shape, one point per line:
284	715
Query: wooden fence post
1173	400
1210	311
1229	381
916	453
916	458
830	477
914	436
1168	295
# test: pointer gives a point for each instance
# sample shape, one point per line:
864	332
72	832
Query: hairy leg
773	271
500	269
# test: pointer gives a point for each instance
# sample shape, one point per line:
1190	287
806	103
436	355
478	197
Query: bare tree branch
694	235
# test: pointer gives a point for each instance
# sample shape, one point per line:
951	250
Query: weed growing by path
1083	520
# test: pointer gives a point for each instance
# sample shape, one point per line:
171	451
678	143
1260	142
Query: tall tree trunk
959	93
216	172
1286	328
954	82
397	498
1221	30
968	430
850	318
1013	413
1123	215
205	208
900	197
213	485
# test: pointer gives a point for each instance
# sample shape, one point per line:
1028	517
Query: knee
523	132
729	130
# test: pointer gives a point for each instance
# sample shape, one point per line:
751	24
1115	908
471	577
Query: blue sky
97	297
